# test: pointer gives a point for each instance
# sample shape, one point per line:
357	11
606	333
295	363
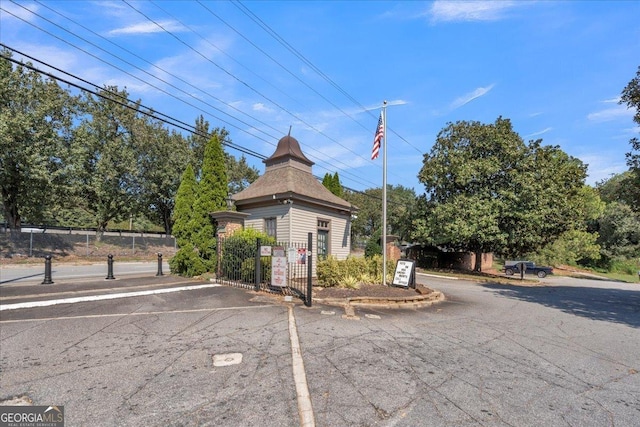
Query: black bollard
47	271
110	267
159	273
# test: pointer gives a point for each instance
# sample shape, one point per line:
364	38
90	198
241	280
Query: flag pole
384	193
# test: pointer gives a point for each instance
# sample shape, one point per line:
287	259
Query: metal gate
284	267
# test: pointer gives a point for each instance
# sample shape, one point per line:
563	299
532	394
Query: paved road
27	274
492	355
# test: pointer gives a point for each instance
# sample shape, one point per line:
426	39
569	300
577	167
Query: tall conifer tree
211	197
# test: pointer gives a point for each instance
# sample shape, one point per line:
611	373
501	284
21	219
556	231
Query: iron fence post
258	265
308	296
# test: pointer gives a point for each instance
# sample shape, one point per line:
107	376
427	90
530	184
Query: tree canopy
94	159
35	122
631	97
488	191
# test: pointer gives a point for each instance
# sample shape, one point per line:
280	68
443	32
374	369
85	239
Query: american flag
377	139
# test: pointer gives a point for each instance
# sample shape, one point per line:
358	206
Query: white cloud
468	97
259	106
450	11
14	11
602	166
148	28
610	114
543	131
612	100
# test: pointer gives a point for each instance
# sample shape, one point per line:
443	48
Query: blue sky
556	69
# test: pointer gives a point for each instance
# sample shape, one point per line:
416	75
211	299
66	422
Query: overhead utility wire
151	75
302	58
150	113
156	67
169	84
257	21
265	81
159	89
244	83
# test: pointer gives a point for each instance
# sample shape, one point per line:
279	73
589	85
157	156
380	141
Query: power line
245	83
344	171
159	89
304	60
149	74
149	113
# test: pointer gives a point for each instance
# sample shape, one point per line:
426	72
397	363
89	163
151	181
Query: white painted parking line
48	303
137	313
305	410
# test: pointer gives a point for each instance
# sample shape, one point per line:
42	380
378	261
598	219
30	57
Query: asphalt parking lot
491	355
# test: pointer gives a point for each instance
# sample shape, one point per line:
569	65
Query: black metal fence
283	267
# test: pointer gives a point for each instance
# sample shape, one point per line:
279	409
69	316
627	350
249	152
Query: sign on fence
279	267
265	250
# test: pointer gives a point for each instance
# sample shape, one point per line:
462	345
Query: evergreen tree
337	186
186	261
182	213
211	197
327	181
332	183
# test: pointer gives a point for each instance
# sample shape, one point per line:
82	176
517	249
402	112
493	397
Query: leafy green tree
211	197
401	208
35	121
620	188
570	248
631	97
161	158
239	173
619	232
488	191
105	173
198	141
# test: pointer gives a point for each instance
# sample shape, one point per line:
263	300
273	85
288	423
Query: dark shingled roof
288	174
288	147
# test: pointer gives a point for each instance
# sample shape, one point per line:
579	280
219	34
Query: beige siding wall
280	212
305	220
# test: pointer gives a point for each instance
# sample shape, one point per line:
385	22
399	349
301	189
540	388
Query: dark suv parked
530	267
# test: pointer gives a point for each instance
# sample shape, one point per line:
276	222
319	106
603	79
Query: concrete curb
387	302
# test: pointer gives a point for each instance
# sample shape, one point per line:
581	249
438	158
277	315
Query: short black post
110	267
47	271
159	273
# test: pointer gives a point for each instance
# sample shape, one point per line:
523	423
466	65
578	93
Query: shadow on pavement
609	305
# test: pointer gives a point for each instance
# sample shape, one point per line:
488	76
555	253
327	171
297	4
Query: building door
323	244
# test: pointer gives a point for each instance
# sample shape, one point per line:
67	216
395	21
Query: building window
270	227
323	238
